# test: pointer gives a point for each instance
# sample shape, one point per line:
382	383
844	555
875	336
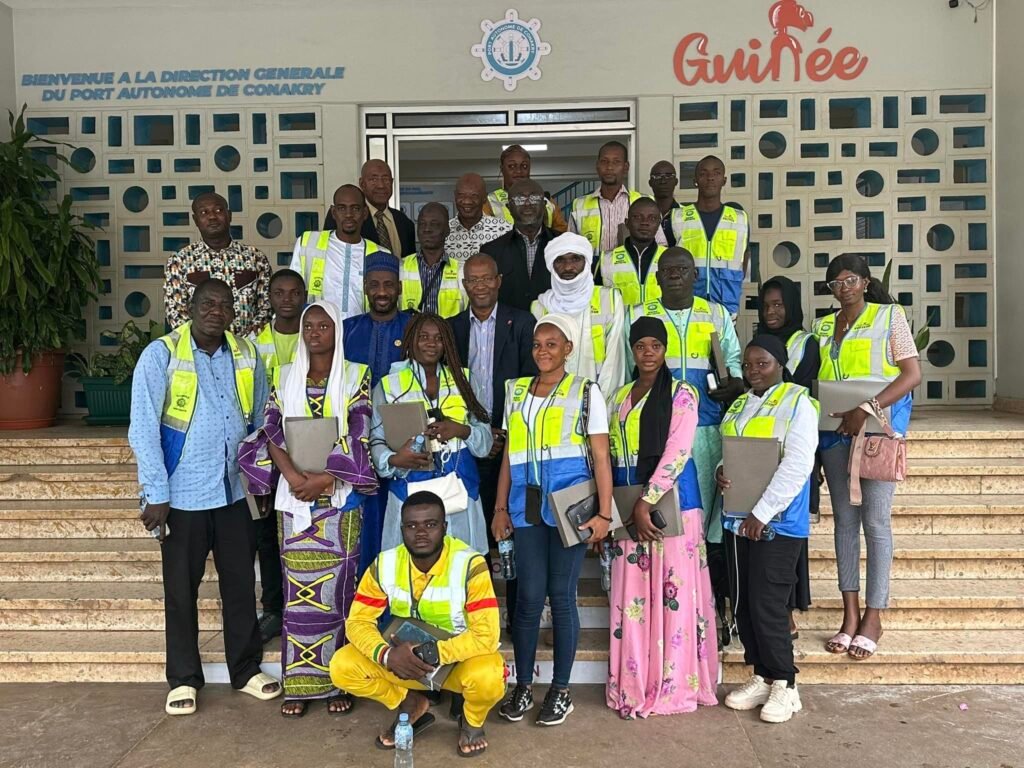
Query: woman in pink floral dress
664	648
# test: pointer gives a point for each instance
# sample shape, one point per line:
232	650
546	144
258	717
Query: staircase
81	599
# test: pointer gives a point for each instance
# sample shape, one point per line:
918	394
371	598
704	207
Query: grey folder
402	421
843	396
625	499
418	632
561	500
749	464
310	441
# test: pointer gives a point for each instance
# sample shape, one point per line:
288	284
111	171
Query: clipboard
625	499
402	421
750	464
418	632
843	396
310	441
560	501
718	358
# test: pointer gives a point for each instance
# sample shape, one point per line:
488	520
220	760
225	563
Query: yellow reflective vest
451	298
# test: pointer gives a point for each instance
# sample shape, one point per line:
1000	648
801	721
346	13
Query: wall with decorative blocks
903	178
134	174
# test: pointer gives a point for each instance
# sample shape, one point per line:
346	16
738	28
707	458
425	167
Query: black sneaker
270	626
518	703
557	706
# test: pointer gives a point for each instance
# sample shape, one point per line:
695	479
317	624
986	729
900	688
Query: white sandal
256	685
181	693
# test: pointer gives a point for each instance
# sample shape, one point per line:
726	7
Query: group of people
544	359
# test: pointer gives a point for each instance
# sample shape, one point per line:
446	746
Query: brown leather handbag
876	457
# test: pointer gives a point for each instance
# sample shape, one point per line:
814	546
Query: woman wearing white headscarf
599	346
320	513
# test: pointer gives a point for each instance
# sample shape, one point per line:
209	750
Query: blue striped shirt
481	357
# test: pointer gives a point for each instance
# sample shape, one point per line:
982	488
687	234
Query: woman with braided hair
431	373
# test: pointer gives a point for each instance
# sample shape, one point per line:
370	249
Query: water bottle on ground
732	524
506	551
606	567
403	742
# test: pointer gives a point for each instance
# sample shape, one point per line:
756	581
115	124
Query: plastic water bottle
419	443
606	567
732	524
506	551
403	742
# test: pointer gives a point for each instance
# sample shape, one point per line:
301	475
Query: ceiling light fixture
528	147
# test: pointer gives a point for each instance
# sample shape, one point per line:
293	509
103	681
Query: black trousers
229	532
767	571
489	470
269	552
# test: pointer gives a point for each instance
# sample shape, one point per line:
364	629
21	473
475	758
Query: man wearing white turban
599	345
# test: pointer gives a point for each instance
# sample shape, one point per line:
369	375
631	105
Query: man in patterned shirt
245	268
471	228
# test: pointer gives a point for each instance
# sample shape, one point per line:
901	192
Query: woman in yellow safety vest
557	438
867	338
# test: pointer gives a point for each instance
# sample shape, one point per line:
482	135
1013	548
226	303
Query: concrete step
59	519
946	514
67	444
963	476
75	560
955	657
80	481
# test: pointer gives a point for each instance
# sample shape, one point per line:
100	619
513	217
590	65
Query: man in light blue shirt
196	394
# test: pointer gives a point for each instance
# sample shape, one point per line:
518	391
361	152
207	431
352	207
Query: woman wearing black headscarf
780	314
664	648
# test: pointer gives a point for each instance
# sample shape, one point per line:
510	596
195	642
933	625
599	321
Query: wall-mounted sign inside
511	49
693	64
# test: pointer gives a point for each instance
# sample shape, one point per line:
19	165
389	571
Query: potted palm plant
48	276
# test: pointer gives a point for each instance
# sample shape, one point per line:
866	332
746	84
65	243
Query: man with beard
244	268
431	279
441	582
515	165
599	215
632	267
470	228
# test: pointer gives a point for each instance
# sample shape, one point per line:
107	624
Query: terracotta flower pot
30	401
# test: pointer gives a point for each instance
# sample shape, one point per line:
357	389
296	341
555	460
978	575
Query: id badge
534	503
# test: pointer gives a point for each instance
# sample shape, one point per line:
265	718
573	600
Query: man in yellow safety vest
600	216
515	165
431	280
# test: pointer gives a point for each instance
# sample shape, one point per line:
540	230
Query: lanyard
414	602
432	283
534	456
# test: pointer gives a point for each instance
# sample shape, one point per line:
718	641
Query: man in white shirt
332	262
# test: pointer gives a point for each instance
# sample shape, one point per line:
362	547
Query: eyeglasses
850	282
528	200
473	282
763	365
663	176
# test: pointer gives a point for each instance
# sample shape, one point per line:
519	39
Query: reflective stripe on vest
267	350
183	388
451	299
403	386
586	211
443	602
864	351
499	207
602	313
795	348
619	271
720	260
313	261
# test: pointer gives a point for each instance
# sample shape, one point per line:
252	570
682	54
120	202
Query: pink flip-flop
865	644
839	643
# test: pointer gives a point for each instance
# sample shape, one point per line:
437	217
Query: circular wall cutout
870	183
772	145
83	160
135	199
925	141
227	158
940	237
786	254
941	353
269	225
137	304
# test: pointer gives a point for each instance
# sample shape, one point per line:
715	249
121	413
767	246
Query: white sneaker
751	694
782	703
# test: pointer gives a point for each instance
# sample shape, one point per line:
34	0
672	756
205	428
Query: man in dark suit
388	227
520	253
495	341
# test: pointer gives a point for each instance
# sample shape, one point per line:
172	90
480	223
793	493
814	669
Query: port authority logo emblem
511	49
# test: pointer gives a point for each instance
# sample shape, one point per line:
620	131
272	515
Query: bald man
388	227
470	228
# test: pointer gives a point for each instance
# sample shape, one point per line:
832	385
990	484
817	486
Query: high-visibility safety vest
268	352
313	261
586	212
499	207
603	302
451	298
863	354
183	389
553	454
675	216
624	444
688	354
443	602
356	376
719	260
796	346
619	272
772	420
